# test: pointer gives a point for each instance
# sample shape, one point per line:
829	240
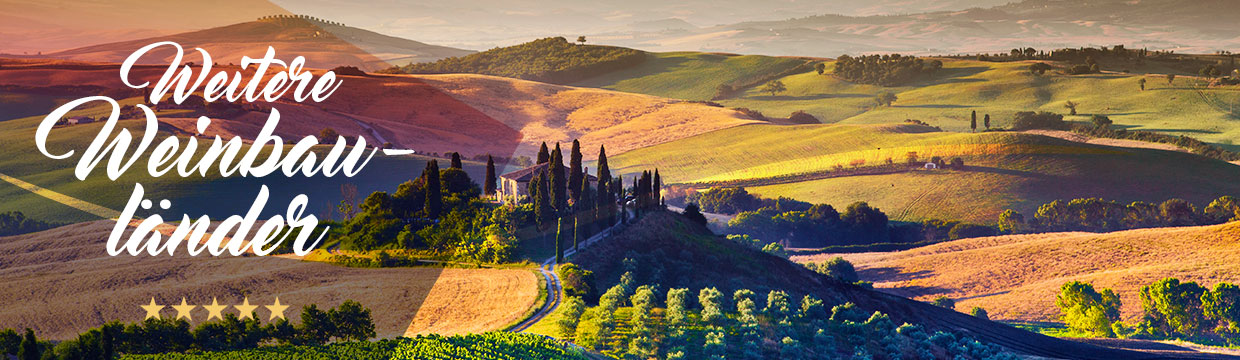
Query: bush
979	312
751	113
1028	120
802	117
837	268
1084	309
964	230
944	302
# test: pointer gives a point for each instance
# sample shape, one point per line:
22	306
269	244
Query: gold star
184	309
277	310
215	309
152	310
247	310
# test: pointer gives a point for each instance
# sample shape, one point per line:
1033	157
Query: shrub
979	312
965	230
1082	308
1028	120
944	302
802	117
751	113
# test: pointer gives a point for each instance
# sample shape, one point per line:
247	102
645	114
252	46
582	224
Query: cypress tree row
575	174
456	161
543	155
434	197
488	188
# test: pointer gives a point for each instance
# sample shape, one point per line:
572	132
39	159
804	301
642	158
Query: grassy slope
999	89
1006	170
690	75
1017	277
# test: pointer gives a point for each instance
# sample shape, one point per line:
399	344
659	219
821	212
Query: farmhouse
79	120
514	186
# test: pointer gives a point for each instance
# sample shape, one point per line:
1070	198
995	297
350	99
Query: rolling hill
1003	170
690	256
62	282
325	44
1184	25
1016	277
1185	107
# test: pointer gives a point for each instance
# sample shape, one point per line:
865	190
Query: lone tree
973	122
1101	121
886	98
581	40
328	134
1141	82
774	87
456	161
1170	79
986	120
488	188
820	67
1071	106
434	198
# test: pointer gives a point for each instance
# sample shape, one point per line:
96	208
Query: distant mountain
325	44
1182	25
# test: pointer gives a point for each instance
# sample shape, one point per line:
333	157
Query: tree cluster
885	70
1098	215
553	60
16	223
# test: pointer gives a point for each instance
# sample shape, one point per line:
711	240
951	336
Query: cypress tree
574	171
29	347
656	189
576	233
456	160
434	197
541	198
559	184
604	202
987	120
617	195
559	237
543	155
973	124
488	189
106	347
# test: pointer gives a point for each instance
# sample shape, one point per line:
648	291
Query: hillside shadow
807	97
892	274
1001	171
933	106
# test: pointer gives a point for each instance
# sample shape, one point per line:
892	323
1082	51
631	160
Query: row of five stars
215	310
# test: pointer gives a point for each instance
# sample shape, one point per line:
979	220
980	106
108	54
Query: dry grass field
61	282
467	301
1017	277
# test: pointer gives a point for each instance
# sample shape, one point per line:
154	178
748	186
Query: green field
691	75
1005	170
946	100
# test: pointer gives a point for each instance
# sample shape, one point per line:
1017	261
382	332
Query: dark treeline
553	60
1192	144
1098	215
349	322
885	70
800	224
16	223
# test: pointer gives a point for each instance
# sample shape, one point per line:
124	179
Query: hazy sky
27	26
